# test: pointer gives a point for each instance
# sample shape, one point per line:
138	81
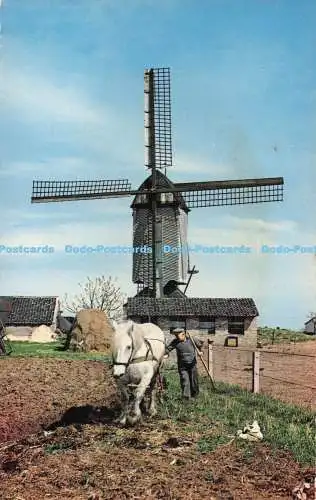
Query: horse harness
148	357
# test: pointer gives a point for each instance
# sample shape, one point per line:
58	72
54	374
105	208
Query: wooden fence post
256	372
210	362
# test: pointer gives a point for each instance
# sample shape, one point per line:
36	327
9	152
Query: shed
21	314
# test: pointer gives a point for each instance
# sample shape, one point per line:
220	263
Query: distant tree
99	293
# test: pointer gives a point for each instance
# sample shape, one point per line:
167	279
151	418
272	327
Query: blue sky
243	106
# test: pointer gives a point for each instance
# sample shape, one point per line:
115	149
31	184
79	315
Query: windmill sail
161	207
49	191
162	118
234	192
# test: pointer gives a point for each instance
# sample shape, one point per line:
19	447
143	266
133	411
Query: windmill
160	206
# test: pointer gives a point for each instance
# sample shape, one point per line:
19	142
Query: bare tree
99	293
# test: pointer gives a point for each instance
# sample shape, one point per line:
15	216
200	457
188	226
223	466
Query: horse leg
152	410
124	404
136	414
145	403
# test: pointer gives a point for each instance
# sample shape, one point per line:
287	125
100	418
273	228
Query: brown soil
83	455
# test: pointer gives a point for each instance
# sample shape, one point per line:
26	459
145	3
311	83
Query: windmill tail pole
186	286
203	362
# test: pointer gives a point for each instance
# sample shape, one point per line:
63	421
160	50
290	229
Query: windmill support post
159	255
150	162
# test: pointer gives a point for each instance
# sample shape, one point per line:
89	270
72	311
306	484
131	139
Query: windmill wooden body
160	206
171	237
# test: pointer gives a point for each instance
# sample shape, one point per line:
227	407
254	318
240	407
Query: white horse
137	351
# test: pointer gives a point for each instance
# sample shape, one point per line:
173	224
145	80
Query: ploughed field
58	441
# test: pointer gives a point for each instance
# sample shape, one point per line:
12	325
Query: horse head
126	342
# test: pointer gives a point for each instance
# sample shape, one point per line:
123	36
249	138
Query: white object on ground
251	432
43	334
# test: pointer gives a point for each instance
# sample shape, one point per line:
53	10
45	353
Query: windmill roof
144	306
27	311
162	181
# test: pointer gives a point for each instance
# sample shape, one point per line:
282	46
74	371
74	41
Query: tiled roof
143	306
27	311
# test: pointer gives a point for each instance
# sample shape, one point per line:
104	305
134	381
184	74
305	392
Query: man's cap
176	331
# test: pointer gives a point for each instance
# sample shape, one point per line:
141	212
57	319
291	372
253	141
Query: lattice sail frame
195	194
162	118
233	196
78	190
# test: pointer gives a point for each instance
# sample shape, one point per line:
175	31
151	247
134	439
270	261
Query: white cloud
40	99
195	165
50	215
59	235
283	285
59	110
57	283
59	168
48	167
263	226
236	230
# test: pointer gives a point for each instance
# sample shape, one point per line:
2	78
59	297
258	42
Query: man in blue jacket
187	363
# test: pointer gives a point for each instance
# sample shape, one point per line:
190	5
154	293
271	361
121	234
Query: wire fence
288	376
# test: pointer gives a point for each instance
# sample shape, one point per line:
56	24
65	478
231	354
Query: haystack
92	332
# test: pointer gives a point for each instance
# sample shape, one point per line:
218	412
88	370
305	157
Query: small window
207	324
236	325
141	198
166	197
